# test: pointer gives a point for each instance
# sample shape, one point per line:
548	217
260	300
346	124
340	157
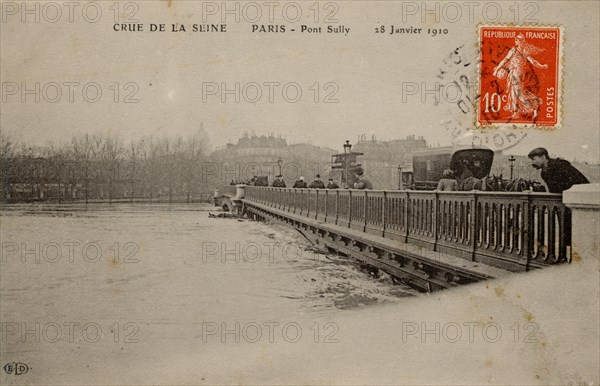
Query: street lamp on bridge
511	162
347	147
347	151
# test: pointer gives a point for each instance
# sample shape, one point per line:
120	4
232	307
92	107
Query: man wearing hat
558	174
300	184
317	183
279	182
332	185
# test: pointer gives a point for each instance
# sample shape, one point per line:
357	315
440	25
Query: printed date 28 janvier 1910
403	30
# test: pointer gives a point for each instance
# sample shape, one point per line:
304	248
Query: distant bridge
431	240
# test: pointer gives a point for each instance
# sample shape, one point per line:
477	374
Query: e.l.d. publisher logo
16	368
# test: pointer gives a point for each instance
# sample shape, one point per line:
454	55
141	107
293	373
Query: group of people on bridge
361	182
558	174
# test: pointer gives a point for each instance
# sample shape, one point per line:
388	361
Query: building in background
382	160
267	155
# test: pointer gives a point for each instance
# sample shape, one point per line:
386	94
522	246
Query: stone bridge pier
584	202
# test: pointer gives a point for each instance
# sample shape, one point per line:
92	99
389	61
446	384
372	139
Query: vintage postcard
309	192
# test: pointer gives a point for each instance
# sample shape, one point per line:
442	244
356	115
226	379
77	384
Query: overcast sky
366	70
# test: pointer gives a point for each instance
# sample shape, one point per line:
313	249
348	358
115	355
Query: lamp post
511	162
279	163
347	147
347	151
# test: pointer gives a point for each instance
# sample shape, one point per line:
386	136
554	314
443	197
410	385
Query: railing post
474	226
349	207
528	231
366	202
434	219
317	203
307	202
406	219
337	206
383	213
326	199
295	200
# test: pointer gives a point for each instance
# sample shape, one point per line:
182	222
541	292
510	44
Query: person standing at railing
332	185
361	181
317	183
300	184
558	174
448	183
279	182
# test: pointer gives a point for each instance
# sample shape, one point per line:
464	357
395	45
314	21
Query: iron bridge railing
515	231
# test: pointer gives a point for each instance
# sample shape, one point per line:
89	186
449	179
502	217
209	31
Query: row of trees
104	167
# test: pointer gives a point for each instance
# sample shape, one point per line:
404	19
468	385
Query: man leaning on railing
279	182
300	184
558	174
317	183
332	185
362	182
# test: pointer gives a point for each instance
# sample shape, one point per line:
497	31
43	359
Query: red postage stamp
520	76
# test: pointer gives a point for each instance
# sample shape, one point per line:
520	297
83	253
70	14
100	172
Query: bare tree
111	154
148	157
84	150
131	169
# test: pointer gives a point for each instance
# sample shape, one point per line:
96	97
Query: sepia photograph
308	192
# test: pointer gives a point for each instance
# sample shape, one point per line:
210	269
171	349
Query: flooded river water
80	282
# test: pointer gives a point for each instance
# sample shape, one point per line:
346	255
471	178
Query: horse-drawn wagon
470	167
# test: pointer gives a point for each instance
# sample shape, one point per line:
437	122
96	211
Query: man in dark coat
361	181
300	184
261	181
279	182
317	183
332	185
558	173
